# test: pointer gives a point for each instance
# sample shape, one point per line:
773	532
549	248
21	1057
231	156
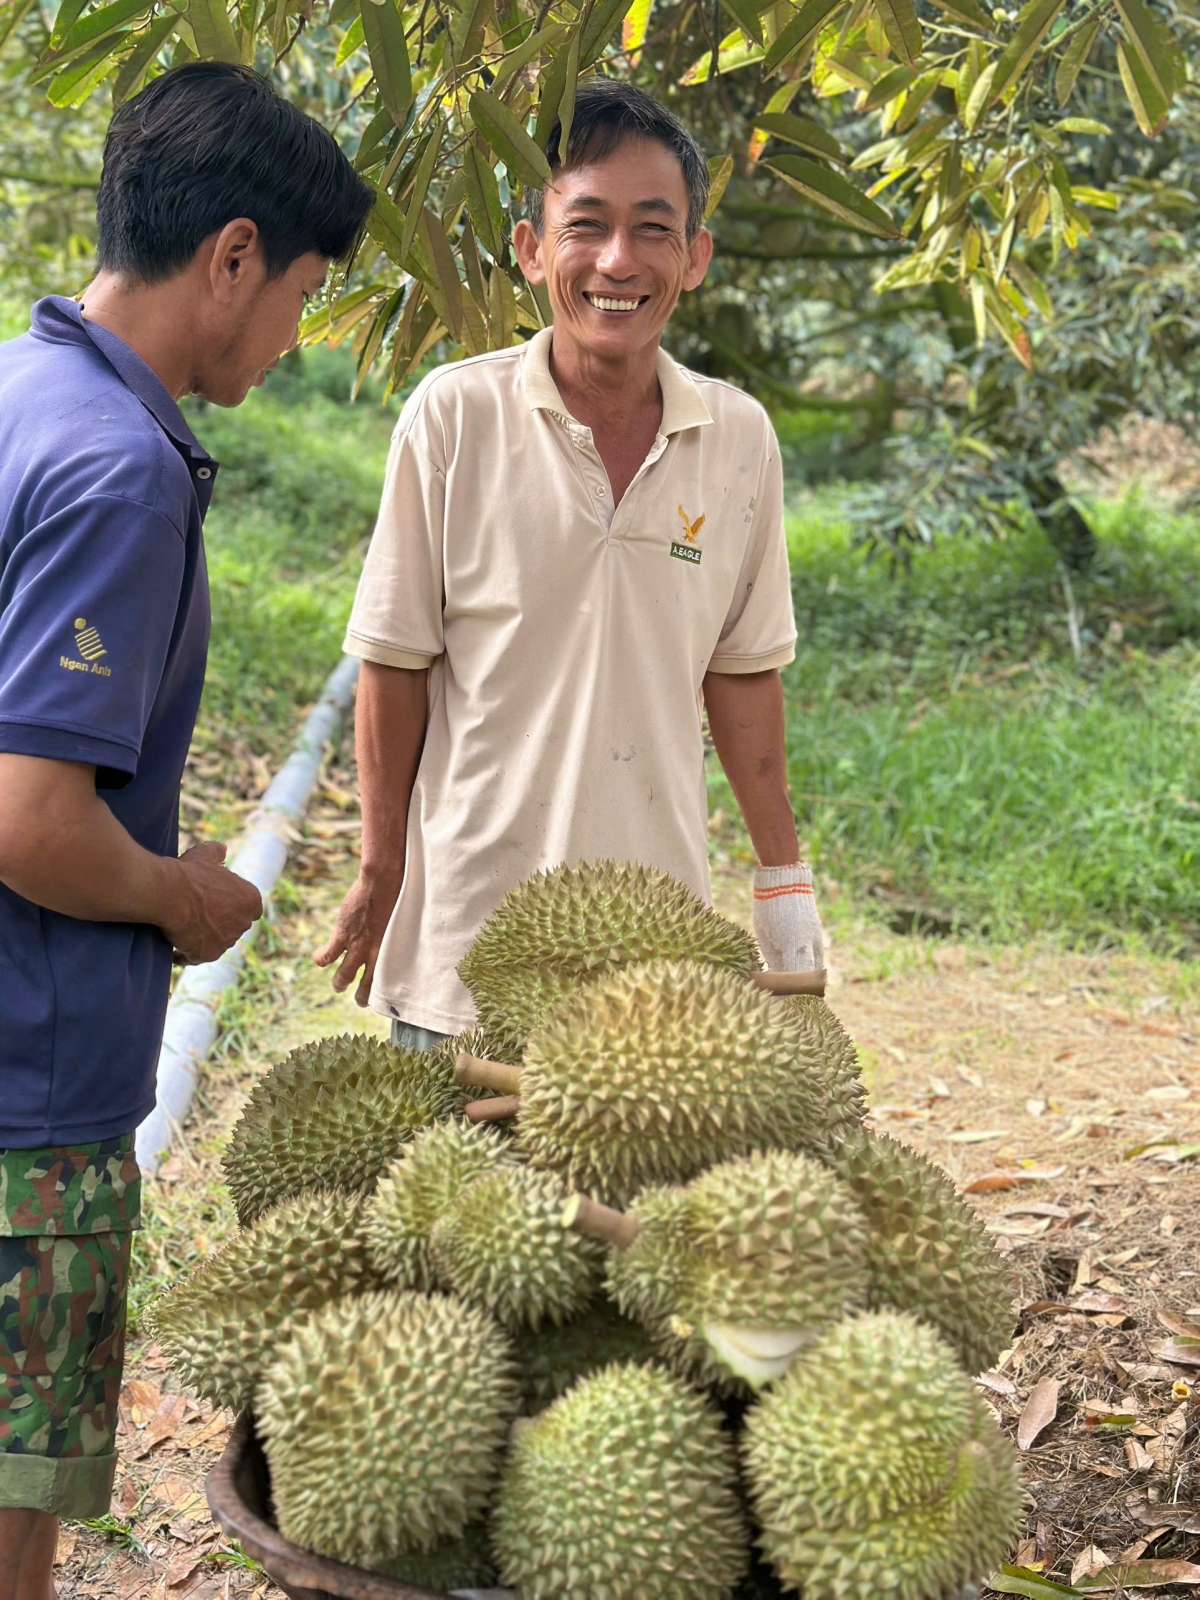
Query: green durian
428	1175
221	1324
624	1489
552	1358
745	1265
504	1247
874	1468
463	1563
384	1419
653	1072
832	1041
929	1253
560	928
335	1113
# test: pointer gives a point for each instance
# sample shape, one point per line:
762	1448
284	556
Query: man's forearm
390	719
745	717
62	848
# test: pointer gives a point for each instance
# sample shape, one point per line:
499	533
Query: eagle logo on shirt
691	529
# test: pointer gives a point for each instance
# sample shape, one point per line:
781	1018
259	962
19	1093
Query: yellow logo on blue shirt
91	648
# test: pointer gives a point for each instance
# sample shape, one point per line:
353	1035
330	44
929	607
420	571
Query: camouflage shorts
66	1218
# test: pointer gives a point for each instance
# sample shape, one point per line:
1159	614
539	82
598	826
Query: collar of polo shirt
683	406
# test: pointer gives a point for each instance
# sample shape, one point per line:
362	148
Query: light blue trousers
414	1038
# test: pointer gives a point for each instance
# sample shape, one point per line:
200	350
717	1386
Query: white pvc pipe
191	1025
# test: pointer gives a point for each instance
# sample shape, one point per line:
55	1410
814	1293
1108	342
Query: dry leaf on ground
1038	1412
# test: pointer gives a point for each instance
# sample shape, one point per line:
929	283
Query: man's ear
236	260
528	249
700	253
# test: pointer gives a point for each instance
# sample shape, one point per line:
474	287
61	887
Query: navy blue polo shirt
103	637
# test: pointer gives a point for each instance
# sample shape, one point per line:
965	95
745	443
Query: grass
948	753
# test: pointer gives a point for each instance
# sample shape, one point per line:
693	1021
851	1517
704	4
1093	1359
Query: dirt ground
1061	1092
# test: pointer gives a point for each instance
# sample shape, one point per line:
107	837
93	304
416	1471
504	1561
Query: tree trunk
1071	536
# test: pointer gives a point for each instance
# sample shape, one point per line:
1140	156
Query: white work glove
785	921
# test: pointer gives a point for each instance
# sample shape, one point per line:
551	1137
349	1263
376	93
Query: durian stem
786	983
498	1110
600	1222
475	1073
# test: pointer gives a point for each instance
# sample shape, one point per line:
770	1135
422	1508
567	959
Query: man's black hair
208	142
608	113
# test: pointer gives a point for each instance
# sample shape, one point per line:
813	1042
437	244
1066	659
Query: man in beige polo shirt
580	547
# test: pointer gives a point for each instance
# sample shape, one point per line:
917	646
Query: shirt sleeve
88	604
760	629
397	615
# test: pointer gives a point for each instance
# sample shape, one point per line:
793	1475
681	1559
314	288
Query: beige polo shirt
567	639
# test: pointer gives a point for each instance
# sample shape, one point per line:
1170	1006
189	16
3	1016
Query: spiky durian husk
464	1563
768	1241
219	1326
874	1468
503	1247
833	1042
653	1072
424	1180
383	1419
552	1358
621	1490
334	1113
929	1253
558	929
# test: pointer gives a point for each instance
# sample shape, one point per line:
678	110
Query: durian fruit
833	1043
561	928
221	1324
655	1071
623	1489
552	1358
428	1175
743	1267
504	1247
463	1563
874	1468
333	1114
929	1253
384	1419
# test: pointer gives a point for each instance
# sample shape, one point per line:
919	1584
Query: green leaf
1073	58
566	105
11	13
524	54
502	309
598	29
1019	52
135	64
801	131
483	199
888	87
551	84
834	194
745	14
215	40
97	24
353	40
383	31
67	16
72	87
900	23
433	236
980	97
508	139
1152	47
374	339
1148	105
1081	125
804	26
967	11
633	29
735	51
720	170
386	226
374	135
420	188
1020	1580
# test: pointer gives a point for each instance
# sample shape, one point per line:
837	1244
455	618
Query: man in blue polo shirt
219	212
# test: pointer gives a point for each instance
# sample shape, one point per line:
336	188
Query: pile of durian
614	1299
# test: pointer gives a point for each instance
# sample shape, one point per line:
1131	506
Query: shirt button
599	491
204	472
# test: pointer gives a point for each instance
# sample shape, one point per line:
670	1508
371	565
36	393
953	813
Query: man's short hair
608	113
208	142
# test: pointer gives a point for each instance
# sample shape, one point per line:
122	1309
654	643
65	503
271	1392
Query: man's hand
215	906
786	923
361	925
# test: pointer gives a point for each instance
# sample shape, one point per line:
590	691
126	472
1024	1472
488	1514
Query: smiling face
613	251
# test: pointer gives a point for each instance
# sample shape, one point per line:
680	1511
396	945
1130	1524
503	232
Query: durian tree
954	145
